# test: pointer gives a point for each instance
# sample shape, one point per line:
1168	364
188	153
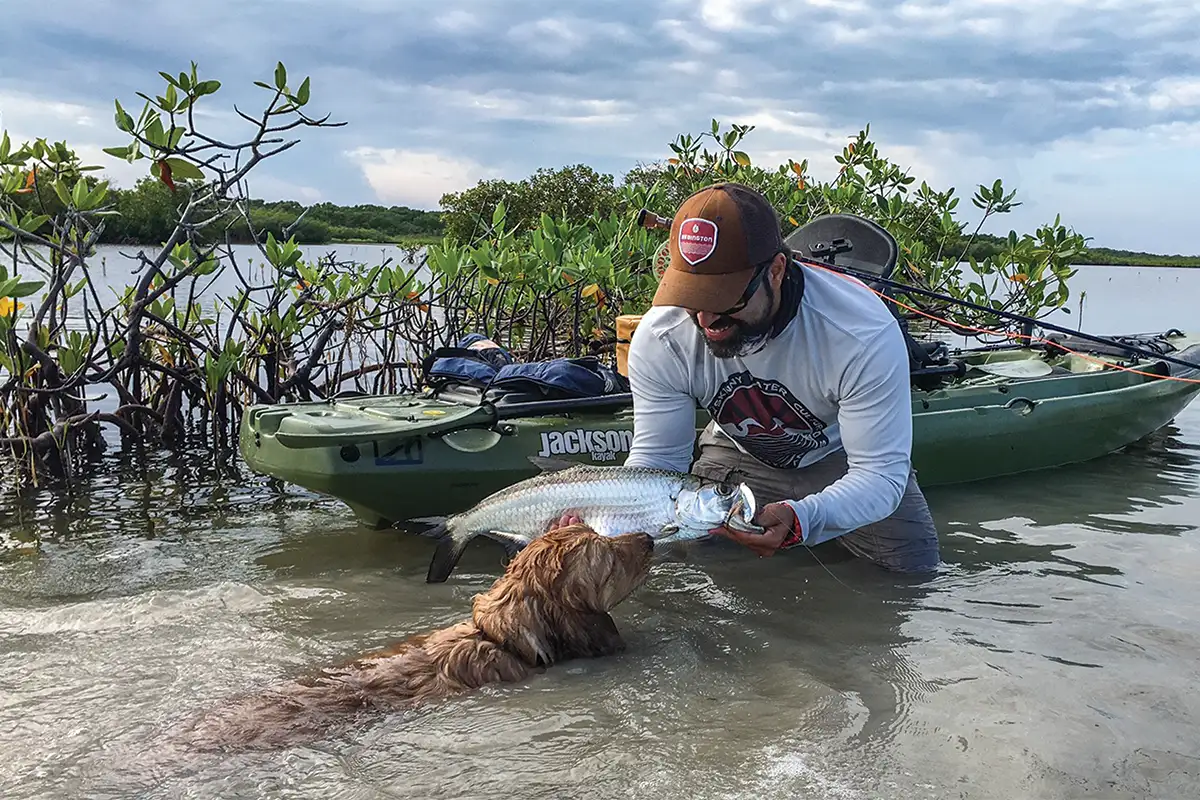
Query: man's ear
778	267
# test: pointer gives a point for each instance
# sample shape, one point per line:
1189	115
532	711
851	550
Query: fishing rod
868	277
650	220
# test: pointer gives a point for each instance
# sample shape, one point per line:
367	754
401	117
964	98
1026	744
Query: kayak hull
398	457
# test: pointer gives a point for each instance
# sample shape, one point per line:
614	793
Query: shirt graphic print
767	420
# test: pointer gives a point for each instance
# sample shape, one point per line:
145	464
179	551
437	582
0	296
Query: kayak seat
847	241
860	244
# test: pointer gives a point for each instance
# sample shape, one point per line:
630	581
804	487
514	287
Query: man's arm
664	412
875	416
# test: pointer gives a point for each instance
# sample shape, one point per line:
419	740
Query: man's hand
565	521
780	523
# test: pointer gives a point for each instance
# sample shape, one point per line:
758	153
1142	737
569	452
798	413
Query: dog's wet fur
551	605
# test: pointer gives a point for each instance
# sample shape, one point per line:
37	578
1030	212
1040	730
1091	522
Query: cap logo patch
697	239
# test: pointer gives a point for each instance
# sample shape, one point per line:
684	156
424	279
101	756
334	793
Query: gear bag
478	362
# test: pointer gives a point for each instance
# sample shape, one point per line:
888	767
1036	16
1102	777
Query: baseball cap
718	236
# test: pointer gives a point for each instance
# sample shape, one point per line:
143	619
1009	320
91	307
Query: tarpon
670	506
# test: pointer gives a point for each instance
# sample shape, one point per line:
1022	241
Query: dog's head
553	600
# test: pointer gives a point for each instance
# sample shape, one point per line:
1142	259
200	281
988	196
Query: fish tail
452	543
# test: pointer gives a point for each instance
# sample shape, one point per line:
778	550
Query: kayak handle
1023	405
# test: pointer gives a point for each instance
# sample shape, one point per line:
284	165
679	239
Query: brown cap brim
699	292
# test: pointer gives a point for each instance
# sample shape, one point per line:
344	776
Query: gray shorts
906	541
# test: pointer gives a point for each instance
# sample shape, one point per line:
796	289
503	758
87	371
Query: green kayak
980	414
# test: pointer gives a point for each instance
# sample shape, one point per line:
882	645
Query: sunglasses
760	272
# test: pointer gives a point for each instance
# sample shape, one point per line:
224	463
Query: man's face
743	329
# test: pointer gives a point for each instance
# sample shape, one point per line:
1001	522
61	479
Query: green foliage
1134	258
146	214
165	356
352	222
574	194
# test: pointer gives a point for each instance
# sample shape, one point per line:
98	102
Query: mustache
722	321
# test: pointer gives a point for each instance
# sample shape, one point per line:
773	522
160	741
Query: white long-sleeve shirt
837	377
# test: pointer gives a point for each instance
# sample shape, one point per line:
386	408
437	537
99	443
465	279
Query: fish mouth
742	511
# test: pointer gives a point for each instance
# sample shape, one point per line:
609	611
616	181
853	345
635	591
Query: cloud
26	118
1094	95
269	187
415	178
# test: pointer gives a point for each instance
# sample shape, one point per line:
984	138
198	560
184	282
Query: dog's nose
647	540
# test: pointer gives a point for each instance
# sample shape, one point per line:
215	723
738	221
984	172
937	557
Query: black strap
791	293
449	352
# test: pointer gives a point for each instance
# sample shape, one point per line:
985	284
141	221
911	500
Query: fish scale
609	499
631	499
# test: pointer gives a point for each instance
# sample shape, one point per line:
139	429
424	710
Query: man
805	373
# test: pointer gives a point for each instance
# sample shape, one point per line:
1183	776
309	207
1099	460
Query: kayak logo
767	420
697	239
600	445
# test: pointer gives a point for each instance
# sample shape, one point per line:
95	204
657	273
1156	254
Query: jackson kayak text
600	445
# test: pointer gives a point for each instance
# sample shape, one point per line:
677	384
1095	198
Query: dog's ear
590	635
542	633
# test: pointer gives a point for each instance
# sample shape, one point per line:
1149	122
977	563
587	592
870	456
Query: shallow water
1056	654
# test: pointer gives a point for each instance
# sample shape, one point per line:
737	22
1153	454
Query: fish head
711	505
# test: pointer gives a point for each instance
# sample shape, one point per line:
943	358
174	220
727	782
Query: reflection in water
1048	659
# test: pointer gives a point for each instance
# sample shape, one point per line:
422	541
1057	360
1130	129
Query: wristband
795	536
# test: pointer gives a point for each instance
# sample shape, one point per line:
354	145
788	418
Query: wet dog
551	604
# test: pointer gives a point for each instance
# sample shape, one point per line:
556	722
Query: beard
748	336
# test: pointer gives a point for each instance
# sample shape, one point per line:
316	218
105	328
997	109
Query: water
117	266
1055	656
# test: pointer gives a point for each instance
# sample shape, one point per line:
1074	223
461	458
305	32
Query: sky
1088	108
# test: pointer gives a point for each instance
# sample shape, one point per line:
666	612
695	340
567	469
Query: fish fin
547	464
670	529
451	545
511	542
423	526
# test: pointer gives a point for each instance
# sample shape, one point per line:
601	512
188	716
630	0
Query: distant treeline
985	245
147	215
326	222
1134	258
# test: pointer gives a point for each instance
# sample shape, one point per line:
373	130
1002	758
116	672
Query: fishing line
812	553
